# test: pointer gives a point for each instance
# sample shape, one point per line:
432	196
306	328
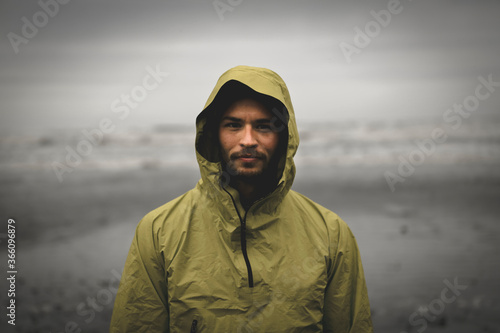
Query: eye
264	127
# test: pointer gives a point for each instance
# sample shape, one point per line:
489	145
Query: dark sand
442	223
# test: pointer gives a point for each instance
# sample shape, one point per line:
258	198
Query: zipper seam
244	250
243	240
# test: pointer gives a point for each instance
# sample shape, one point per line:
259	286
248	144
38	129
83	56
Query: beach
435	230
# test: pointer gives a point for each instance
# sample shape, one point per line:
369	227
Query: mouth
248	157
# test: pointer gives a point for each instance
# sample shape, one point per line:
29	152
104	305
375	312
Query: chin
245	172
246	169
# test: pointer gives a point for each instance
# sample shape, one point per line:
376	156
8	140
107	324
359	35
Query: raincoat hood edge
265	82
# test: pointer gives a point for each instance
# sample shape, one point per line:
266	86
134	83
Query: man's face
248	139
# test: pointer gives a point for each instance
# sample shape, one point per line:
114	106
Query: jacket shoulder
322	217
313	207
166	213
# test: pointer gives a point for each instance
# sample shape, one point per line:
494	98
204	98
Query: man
242	252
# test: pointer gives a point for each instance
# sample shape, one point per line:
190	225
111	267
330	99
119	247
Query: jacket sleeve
347	309
141	300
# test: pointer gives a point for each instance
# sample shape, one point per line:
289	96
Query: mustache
247	153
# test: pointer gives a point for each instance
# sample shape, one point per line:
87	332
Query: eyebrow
231	118
259	121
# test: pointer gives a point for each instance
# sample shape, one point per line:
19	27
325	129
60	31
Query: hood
269	88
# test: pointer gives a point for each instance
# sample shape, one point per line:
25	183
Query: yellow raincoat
201	263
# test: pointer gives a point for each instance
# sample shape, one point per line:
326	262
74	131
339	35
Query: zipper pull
193	326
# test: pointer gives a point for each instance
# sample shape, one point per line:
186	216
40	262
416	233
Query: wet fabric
201	263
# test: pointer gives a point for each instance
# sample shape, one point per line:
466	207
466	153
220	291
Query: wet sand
441	224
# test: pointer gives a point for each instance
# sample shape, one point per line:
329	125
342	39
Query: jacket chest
209	272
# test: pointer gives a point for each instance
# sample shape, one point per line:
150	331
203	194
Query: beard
245	172
263	176
250	170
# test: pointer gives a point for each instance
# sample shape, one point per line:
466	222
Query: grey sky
427	58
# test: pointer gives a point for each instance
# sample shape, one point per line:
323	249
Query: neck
251	190
249	193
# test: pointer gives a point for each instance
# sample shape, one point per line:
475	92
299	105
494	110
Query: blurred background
398	108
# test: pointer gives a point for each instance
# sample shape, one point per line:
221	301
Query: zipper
243	240
244	249
193	326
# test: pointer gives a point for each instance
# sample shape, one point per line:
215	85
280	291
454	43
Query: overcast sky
68	74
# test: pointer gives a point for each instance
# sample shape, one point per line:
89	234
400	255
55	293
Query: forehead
246	108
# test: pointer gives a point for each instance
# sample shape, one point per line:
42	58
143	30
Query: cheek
270	142
226	141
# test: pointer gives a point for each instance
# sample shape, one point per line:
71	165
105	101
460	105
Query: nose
248	139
